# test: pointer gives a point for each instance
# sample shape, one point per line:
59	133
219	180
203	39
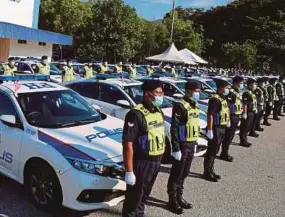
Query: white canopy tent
190	56
171	55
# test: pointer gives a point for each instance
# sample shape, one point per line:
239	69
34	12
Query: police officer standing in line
260	107
68	72
88	70
10	68
149	70
280	94
43	66
272	87
236	111
246	124
118	68
133	70
104	68
217	120
268	101
184	135
143	147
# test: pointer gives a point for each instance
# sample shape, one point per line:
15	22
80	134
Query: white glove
244	116
229	124
177	155
130	178
270	104
210	134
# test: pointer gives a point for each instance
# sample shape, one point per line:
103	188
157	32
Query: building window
22	42
42	44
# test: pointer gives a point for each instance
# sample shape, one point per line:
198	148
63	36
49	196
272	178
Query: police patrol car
116	96
55	143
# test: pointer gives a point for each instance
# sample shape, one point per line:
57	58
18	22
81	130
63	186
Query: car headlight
112	170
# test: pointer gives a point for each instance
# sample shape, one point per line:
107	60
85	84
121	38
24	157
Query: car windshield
204	95
181	85
54	70
136	93
57	109
212	84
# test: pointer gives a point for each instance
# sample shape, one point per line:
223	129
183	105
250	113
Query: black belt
150	158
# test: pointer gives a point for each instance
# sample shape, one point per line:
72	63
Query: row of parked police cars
63	141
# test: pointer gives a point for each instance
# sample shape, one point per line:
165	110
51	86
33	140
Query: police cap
221	83
11	59
260	80
192	85
44	57
250	81
237	79
265	79
272	80
150	85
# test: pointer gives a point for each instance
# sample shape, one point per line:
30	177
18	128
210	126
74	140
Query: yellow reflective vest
69	74
222	117
88	72
8	70
191	131
254	101
236	108
133	72
152	142
44	69
103	69
119	69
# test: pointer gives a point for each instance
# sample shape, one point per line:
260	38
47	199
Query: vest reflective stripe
190	131
275	97
8	70
222	117
261	102
265	93
119	69
149	71
69	74
236	108
152	142
44	69
254	101
104	68
88	72
282	88
133	73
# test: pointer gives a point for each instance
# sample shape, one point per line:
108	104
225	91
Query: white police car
57	144
116	97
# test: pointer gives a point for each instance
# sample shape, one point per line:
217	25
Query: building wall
20	12
31	49
4	49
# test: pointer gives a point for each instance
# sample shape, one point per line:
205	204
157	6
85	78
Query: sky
156	9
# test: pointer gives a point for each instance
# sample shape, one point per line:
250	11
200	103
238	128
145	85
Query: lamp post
172	25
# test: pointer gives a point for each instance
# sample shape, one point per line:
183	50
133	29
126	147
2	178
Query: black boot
218	177
260	129
266	123
245	144
253	134
173	205
226	157
208	175
276	118
183	203
281	115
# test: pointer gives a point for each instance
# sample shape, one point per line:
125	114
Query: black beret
221	83
11	59
265	79
150	85
272	80
44	57
192	85
238	79
260	80
250	81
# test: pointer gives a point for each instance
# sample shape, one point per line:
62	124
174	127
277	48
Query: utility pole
172	25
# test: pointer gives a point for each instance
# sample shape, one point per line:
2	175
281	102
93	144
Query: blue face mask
241	87
196	96
158	101
227	91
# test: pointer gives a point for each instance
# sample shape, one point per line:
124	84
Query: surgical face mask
158	101
12	63
45	61
263	85
227	91
241	87
69	64
283	81
254	87
196	96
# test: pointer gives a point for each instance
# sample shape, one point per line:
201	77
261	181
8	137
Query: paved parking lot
254	185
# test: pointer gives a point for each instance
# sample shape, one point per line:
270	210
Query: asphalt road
252	186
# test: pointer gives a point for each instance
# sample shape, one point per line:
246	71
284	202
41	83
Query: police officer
149	70
104	68
236	108
184	136
10	68
272	88
217	120
133	70
68	72
258	91
43	66
280	93
246	124
143	147
88	70
268	95
118	68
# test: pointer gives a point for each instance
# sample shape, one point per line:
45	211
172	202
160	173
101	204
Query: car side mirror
124	103
11	121
178	96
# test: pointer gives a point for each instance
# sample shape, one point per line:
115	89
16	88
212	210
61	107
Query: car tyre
44	187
